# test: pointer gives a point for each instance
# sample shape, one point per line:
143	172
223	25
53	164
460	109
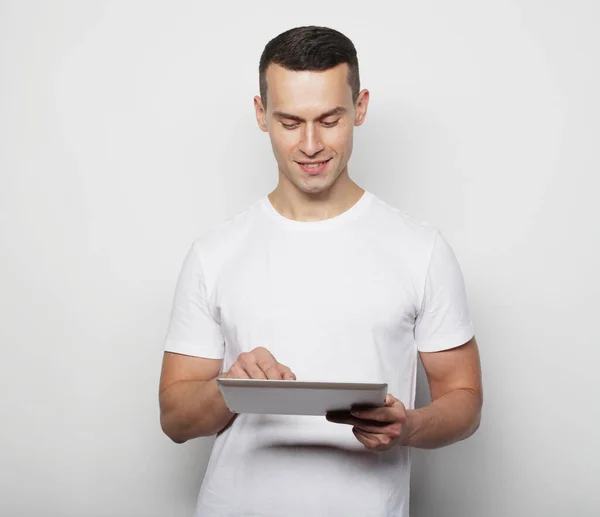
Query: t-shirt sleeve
192	328
443	321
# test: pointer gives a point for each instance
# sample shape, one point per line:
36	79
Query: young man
319	280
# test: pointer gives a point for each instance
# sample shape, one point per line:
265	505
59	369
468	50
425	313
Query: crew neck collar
350	214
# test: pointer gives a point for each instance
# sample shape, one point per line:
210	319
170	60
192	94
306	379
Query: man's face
310	118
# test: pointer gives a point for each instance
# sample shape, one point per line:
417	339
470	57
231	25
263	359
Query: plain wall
127	129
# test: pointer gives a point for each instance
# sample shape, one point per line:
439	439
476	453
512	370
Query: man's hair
309	48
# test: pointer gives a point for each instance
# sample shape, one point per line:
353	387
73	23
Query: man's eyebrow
335	111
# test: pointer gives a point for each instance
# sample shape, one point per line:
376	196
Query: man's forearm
448	419
190	409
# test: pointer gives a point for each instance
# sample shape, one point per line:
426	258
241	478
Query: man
319	280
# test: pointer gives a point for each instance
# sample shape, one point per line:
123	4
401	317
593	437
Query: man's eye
331	124
289	126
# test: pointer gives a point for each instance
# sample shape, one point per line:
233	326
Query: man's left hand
378	429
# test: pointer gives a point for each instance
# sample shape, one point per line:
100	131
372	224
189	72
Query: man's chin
312	184
314	187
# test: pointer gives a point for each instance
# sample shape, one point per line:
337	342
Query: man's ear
261	113
362	103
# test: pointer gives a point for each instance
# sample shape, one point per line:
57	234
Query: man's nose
311	142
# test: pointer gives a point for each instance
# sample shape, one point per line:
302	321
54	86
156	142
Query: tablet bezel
266	396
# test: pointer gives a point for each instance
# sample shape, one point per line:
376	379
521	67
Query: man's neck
297	205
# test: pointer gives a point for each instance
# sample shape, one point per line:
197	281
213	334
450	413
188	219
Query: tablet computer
298	397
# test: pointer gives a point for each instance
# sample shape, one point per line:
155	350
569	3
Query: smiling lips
313	168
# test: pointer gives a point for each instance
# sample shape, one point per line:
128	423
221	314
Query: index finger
272	369
286	373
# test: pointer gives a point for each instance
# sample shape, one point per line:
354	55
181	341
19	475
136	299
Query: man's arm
191	404
454	378
455	384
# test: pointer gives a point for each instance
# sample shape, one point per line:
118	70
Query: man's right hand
259	364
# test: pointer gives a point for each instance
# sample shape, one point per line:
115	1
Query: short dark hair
309	48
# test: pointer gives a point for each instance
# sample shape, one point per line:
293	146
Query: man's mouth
313	167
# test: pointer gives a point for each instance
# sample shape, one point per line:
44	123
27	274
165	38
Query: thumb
390	400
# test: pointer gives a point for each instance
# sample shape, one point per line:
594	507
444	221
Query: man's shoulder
397	224
228	235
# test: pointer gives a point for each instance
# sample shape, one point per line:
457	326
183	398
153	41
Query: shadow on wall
408	158
419	481
247	168
189	461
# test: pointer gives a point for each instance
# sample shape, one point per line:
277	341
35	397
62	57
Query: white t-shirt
351	298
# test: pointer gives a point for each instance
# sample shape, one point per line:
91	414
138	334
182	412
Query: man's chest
314	299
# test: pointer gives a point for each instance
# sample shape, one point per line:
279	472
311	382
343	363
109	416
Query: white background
127	129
